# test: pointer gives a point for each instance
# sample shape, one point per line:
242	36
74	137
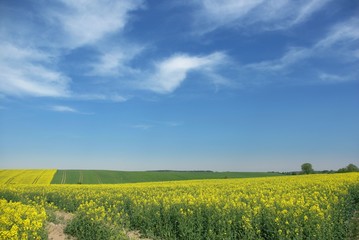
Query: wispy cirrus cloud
94	24
265	15
341	35
102	97
65	109
87	22
339	44
30	56
333	78
25	71
304	11
172	71
114	62
292	56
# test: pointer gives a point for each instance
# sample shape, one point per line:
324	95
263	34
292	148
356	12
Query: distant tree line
350	168
307	168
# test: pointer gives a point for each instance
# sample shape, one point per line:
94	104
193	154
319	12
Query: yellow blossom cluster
20	221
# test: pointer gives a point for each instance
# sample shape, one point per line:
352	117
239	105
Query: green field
110	177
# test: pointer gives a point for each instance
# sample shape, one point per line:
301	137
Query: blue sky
140	85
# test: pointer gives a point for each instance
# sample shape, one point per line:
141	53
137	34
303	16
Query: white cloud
339	40
118	98
109	64
31	49
332	78
60	108
291	57
10	51
102	97
343	33
306	9
114	61
67	109
226	11
86	22
24	72
267	15
171	72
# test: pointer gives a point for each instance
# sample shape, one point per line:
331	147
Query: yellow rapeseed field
38	176
288	207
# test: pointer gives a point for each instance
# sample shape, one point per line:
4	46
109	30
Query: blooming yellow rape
38	176
287	207
19	221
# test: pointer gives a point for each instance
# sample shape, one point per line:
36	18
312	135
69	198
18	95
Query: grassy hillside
108	177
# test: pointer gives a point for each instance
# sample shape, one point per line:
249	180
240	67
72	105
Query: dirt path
55	230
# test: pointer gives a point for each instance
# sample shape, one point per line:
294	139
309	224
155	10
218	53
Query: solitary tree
307	168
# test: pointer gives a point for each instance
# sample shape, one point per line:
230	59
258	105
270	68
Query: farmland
43	176
110	177
39	176
286	207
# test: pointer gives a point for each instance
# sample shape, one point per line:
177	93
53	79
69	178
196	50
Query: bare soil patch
135	235
55	230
